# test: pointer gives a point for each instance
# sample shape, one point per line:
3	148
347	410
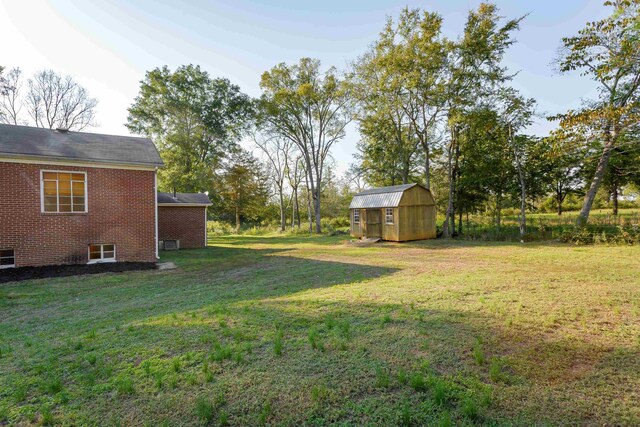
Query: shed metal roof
40	143
381	197
183	199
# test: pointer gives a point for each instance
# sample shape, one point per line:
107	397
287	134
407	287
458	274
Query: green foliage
193	119
205	409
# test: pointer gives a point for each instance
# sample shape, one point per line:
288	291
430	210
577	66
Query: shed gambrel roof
382	197
183	199
26	142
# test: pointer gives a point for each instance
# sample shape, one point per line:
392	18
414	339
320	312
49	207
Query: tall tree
242	187
194	120
475	72
516	113
279	152
311	108
10	97
608	51
55	101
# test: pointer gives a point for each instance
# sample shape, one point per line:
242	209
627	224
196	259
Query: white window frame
102	258
356	213
86	192
14	259
386	216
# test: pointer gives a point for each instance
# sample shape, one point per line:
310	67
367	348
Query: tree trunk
559	200
237	220
523	188
614	195
316	209
610	139
460	223
498	209
427	167
297	208
446	232
283	217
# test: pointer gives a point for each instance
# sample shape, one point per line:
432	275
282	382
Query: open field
311	330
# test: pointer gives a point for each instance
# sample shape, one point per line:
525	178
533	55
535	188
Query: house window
7	258
356	216
388	217
64	192
102	253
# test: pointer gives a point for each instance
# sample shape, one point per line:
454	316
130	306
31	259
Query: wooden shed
397	213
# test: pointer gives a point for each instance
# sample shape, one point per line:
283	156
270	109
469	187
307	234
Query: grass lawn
299	330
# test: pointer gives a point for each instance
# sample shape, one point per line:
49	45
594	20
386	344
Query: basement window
7	258
102	253
356	216
388	217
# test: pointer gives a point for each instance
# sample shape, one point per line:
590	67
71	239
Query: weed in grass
319	393
53	385
330	322
265	412
172	382
159	380
91	334
417	382
344	329
405	414
386	319
277	343
63	397
469	409
221	352
382	377
78	346
442	391
46	417
314	340
19	393
130	328
223	418
204	409
146	367
238	358
496	373
124	386
445	419
92	359
478	354
403	378
176	365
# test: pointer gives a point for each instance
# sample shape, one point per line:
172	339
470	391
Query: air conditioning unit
170	245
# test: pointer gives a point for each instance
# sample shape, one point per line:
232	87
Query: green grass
310	330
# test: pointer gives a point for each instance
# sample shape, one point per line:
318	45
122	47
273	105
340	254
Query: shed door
374	223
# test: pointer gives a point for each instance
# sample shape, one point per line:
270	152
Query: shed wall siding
121	211
184	223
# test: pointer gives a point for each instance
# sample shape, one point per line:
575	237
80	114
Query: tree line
429	108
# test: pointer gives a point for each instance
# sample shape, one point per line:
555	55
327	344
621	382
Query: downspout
155	202
205	226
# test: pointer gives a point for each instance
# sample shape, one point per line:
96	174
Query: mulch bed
28	273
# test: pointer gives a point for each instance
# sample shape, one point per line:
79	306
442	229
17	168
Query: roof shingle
26	141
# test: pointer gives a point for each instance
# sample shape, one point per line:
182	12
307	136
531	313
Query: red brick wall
121	211
185	223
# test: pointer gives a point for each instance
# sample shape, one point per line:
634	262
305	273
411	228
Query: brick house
75	197
182	220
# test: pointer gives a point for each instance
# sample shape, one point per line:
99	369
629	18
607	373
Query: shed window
64	192
102	253
7	258
356	216
388	217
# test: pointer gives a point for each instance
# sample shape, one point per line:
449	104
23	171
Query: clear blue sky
107	45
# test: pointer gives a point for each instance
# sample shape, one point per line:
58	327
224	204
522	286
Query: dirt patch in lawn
28	273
